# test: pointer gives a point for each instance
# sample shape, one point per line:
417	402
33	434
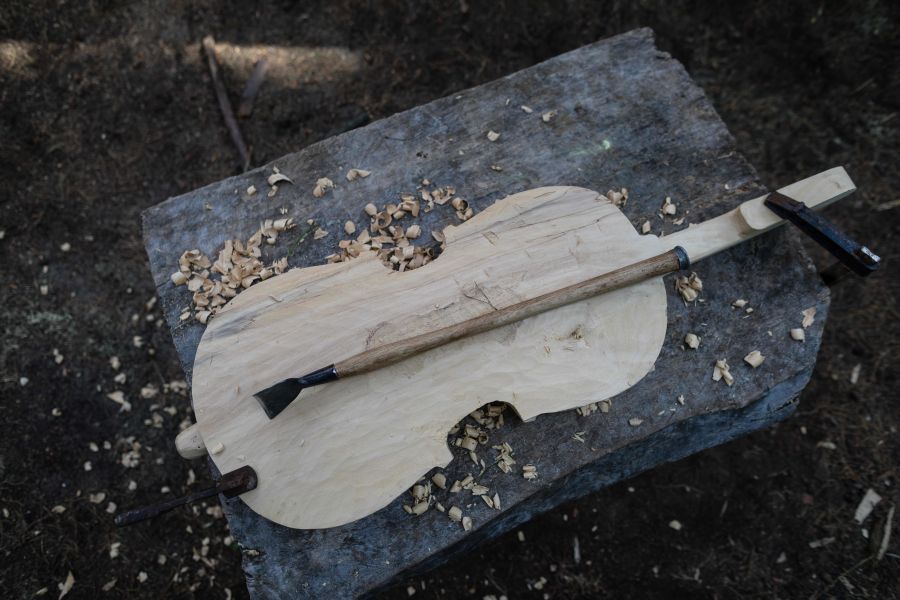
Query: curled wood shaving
392	241
754	359
668	207
529	471
619	198
440	480
251	189
455	514
645	228
689	287
739	303
527	110
479	490
493	136
276	178
798	334
635	421
349	227
721	371
357	174
66	586
238	266
467	523
323	184
547	116
692	341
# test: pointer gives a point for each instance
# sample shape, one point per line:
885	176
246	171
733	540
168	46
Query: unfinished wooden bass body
343	450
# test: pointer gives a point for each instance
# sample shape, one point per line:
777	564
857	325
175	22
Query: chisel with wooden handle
748	220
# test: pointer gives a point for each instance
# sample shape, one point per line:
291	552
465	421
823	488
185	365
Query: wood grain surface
343	450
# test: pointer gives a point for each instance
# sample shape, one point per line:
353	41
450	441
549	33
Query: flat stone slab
627	115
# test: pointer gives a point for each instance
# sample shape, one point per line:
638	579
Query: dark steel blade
853	255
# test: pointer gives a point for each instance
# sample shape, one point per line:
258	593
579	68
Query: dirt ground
106	108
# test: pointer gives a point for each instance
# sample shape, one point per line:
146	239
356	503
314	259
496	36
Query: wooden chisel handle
656	266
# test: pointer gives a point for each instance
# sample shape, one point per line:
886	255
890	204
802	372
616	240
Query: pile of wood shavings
689	287
392	240
239	266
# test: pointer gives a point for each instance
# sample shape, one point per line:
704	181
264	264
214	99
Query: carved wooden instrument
343	450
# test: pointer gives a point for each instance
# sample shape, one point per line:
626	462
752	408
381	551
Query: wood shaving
547	116
527	110
119	398
754	359
440	480
349	227
619	198
237	267
455	513
635	421
645	228
798	334
739	303
276	178
479	490
692	341
467	523
587	409
721	371
357	174
809	317
689	287
493	136
319	233
668	207
497	168
323	184
66	586
529	471
392	241
251	190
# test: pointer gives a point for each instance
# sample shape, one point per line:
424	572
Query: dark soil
106	108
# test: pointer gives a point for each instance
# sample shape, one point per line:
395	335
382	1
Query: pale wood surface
343	450
752	218
628	115
525	246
